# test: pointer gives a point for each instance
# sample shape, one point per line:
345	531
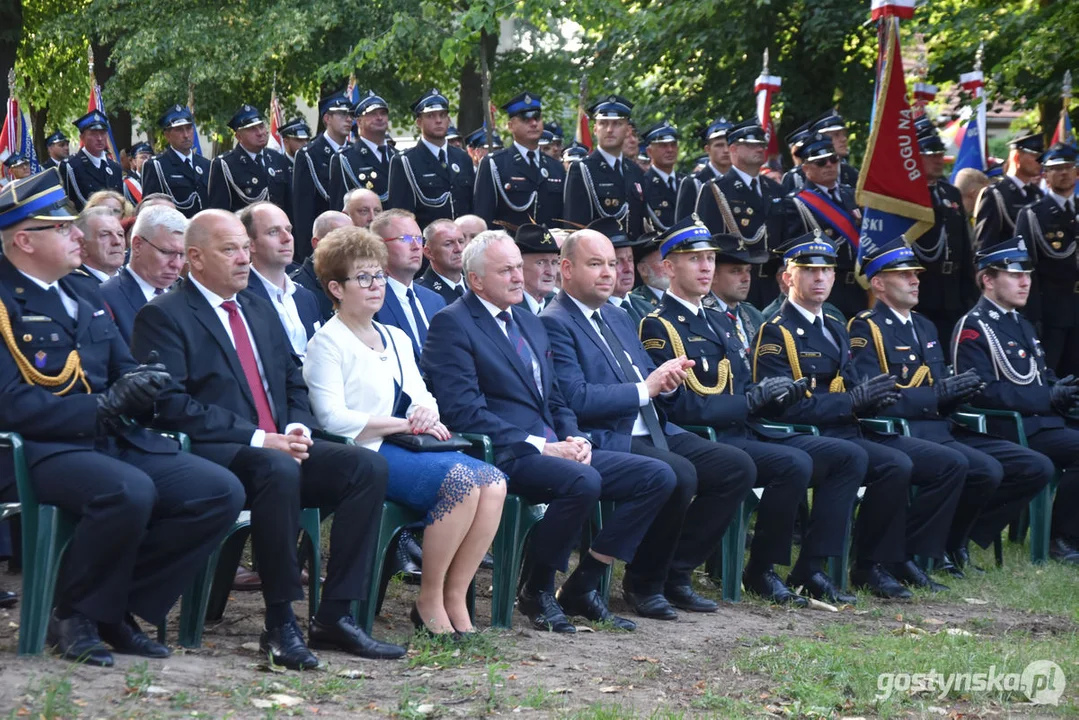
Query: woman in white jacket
363	383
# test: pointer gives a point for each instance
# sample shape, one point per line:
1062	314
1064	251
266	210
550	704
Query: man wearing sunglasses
157	257
826	205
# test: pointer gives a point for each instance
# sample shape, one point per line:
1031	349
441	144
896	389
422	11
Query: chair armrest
702	430
1020	433
877	424
974	422
482	446
330	437
901	425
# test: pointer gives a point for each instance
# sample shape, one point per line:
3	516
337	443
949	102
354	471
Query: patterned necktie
246	353
159	291
421	326
518	342
648	412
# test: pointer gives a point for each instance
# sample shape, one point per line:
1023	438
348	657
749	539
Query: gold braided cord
837	385
920	375
792	353
724	376
71	374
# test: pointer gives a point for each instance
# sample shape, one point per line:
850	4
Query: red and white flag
583	136
902	9
766	87
924	93
277	119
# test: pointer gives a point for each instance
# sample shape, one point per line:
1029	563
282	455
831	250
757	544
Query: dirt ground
664	669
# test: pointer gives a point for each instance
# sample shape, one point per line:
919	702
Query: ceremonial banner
892	185
96	103
972	151
583	136
892	8
924	93
16	137
276	120
1063	132
765	87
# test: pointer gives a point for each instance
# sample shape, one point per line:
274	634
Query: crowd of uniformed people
579	308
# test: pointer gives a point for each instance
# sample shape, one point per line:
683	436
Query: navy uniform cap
338	102
370	102
15	159
748	131
141	147
687	235
56	137
546	138
930	143
816	146
38	197
246	117
642	153
611	107
1032	143
478	139
662	132
526	105
532	239
452	134
732	250
716	130
798	136
1059	154
430	101
830	121
892	256
555	129
574	153
93	120
995	170
809	250
175	116
1009	256
296	128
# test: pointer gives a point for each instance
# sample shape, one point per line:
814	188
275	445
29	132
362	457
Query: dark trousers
881	526
712	480
639	486
1061	445
147	524
343	479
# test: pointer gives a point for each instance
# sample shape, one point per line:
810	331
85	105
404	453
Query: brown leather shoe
246	580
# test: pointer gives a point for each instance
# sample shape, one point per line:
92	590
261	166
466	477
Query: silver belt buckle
946	267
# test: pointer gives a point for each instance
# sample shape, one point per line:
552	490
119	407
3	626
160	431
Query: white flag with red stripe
765	88
903	9
277	119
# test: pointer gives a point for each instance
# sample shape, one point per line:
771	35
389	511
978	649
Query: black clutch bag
428	443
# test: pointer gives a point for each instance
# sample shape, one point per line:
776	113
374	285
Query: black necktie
442	157
670	184
382	153
1033	192
459	289
58	303
648	412
1069	207
754	187
834	192
187	161
262	159
532	159
618	167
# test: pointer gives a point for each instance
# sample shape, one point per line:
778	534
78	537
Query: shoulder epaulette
80	271
833	317
775	320
655	313
866	313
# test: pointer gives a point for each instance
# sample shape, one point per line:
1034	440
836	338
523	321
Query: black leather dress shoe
544	612
285	647
346	635
401	560
1063	551
819	586
949	566
653	606
488	562
76	638
590	606
8	599
880	582
127	638
768	585
910	574
961	558
683	597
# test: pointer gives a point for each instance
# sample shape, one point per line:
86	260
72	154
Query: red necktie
246	354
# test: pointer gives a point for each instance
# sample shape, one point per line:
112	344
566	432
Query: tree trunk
119	119
471	113
10	36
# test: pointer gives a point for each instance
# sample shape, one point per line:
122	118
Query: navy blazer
483	386
124	298
592	381
306	304
305	276
210	398
392	313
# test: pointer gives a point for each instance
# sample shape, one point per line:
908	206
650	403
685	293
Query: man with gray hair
443	246
489	364
103	246
304	275
157	257
471	226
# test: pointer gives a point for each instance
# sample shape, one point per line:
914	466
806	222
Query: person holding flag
179	172
91	169
998	206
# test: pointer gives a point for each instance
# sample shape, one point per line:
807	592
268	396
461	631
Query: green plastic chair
394	518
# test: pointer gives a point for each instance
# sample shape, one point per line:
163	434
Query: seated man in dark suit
305	275
610	383
490	367
157	257
271	253
408	305
148	515
242	400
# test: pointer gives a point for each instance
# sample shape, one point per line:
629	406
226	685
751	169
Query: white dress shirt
435	148
100	275
399	291
748	179
535	306
285	305
148	291
611	159
70	303
349	383
811	317
95	159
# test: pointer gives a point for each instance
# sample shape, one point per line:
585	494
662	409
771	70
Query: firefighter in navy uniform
801	341
718	162
832	125
890	337
148	516
947	285
311	171
432	179
1051	229
91	169
58	147
719	393
178	171
250	172
998	205
795	179
520	184
827	205
662	180
607	183
1001	345
366	162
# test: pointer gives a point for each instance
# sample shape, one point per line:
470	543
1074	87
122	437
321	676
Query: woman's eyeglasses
366	280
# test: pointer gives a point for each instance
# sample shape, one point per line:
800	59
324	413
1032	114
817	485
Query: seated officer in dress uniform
607	183
730	288
366	162
148	515
91	169
1051	228
827	205
432	179
178	172
717	163
745	203
800	341
311	171
661	181
613	387
58	147
719	393
1002	476
444	246
520	184
1003	348
250	172
295	134
795	179
540	254
998	206
946	287
834	127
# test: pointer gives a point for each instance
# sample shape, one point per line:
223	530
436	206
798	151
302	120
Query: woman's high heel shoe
417	620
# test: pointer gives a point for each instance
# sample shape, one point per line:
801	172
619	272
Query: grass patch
441	652
48	698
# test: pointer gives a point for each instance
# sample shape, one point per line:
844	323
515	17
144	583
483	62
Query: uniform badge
1011	343
813	383
374	174
737	210
663	204
198	169
455	167
704	364
1022	353
681	318
745	222
800	331
887	321
54	337
913	357
271	172
19	291
436	286
509	186
994	314
749	211
543	172
108	170
39	359
1056	244
906	371
27	338
370	185
327	149
362	176
254	181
